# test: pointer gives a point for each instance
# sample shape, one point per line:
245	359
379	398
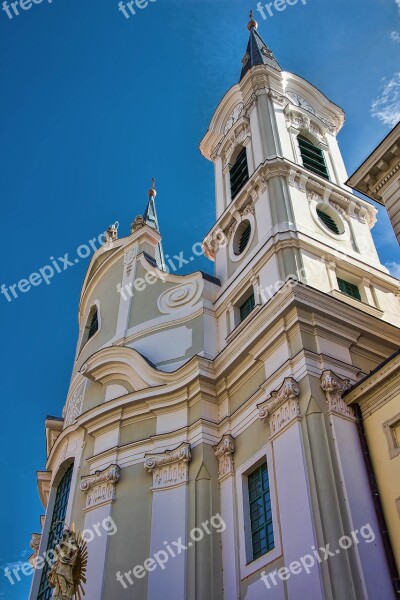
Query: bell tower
283	209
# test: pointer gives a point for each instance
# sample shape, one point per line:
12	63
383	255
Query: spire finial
252	24
152	191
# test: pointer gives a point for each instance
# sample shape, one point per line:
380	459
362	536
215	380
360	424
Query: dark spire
257	52
150	218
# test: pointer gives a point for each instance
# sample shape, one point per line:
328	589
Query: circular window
242	237
328	221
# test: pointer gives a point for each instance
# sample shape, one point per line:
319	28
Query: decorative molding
233	117
224	452
128	259
73	408
334	387
181	296
100	487
35	545
170	468
282	408
241	132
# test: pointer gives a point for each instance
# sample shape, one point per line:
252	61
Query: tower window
93	325
239	173
328	221
313	157
349	289
262	534
56	529
242	237
246	308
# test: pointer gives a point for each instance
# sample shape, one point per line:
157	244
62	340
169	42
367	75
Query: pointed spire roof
257	52
150	218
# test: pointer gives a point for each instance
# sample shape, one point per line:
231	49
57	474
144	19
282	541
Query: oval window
242	237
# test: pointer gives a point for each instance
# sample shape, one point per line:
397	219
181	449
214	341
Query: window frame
85	339
348	283
240	151
248	565
300	137
50	545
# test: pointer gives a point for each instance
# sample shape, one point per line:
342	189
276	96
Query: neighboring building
378	399
198	396
379	177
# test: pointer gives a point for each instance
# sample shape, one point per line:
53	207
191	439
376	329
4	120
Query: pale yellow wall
387	470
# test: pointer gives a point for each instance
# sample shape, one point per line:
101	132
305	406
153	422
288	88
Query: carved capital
170	468
100	487
334	387
224	452
282	408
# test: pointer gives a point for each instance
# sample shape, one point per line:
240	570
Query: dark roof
378	368
51	418
257	53
210	278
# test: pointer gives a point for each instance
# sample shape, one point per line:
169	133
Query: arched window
56	529
313	157
92	325
239	173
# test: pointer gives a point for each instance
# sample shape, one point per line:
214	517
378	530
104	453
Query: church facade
205	418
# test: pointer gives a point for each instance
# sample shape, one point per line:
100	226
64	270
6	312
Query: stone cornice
100	486
224	452
297	176
170	468
334	388
282	408
379	168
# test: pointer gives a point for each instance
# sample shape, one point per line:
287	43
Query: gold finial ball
152	192
252	24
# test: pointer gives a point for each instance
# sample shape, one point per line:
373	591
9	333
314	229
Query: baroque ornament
68	572
100	487
282	408
74	405
224	452
180	296
334	387
169	468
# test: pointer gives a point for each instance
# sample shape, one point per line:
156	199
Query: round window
328	221
242	237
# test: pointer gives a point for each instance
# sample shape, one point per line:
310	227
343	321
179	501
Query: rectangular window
239	173
349	289
246	308
262	534
313	157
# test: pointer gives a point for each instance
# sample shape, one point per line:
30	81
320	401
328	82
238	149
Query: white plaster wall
295	511
361	509
165	345
106	440
168	524
97	552
172	420
229	542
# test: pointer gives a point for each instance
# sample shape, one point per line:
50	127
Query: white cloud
394	269
386	107
395	37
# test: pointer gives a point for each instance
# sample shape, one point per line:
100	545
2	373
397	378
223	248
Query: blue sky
93	106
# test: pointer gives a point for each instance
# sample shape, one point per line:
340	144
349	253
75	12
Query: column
367	560
99	489
282	412
170	470
226	477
